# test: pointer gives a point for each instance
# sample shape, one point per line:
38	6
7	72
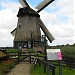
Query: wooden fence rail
69	61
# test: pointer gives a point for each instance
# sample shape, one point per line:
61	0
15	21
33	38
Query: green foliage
6	66
68	51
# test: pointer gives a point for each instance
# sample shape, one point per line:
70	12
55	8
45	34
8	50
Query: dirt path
21	69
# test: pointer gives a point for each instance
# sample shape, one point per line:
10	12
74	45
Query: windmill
29	23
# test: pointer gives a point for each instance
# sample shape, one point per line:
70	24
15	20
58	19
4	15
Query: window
19	26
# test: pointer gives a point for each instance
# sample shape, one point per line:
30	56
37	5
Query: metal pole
60	67
45	52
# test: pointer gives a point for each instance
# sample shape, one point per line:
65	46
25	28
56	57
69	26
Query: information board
54	54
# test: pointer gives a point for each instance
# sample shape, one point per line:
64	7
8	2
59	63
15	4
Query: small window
19	26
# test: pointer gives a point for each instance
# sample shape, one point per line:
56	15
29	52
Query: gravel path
23	68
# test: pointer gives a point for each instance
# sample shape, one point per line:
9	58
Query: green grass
31	50
65	71
12	51
37	71
40	71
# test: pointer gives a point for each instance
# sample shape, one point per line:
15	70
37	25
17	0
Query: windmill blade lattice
24	3
43	4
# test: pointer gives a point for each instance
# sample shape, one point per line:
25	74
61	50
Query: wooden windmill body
29	24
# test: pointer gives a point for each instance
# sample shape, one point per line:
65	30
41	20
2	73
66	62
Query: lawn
12	51
40	71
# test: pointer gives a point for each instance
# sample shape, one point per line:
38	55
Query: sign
54	54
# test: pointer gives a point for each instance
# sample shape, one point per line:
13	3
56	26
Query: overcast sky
58	18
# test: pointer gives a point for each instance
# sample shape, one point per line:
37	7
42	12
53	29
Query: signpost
55	54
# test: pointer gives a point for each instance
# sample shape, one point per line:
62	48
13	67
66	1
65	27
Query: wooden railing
69	61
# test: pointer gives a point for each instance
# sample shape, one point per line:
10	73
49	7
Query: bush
6	66
68	53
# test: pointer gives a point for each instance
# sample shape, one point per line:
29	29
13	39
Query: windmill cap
27	11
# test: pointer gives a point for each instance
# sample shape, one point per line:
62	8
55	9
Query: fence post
18	57
39	63
48	68
30	57
44	68
53	71
6	54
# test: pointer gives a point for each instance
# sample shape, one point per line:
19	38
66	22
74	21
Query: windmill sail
45	30
24	3
43	4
